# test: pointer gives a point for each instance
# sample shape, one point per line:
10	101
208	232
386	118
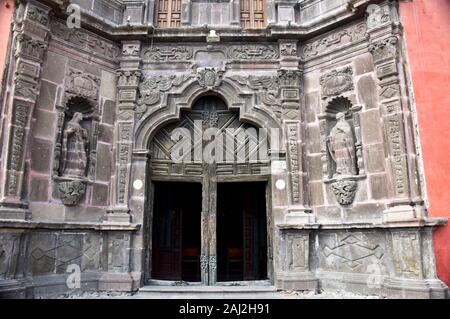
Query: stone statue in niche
341	146
74	144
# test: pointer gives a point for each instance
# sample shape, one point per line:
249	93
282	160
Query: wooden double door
209	232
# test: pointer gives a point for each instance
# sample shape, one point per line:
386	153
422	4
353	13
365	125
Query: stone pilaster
128	81
385	49
134	11
31	35
291	99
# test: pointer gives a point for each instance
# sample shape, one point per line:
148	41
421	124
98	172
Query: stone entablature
351	205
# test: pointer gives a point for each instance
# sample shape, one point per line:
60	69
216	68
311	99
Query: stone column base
115	282
296	281
13	212
13	289
415	288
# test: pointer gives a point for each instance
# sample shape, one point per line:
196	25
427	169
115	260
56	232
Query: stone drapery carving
73	152
341	146
253	52
336	82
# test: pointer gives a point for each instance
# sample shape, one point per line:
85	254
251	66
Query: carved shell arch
173	103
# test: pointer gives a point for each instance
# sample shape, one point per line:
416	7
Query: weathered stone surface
367	92
41	151
312	102
371	127
100	194
54	68
316	193
375	158
47	96
109	111
104	162
44	124
378	186
39	189
363	64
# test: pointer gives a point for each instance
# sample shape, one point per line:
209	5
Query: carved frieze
169	54
84	40
209	78
334	41
337	82
253	52
30	48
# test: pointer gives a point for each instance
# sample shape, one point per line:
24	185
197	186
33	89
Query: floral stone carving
345	191
71	192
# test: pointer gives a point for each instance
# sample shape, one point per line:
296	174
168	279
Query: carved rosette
71	192
344	191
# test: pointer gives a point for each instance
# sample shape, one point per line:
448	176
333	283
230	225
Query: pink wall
6	13
427	30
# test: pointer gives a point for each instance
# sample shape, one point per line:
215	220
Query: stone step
208	292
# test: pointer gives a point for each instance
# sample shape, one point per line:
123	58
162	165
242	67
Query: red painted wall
6	13
427	31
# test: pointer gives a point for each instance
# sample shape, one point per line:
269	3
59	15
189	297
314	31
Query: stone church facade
335	199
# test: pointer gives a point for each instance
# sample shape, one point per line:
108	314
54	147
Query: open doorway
241	231
176	235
